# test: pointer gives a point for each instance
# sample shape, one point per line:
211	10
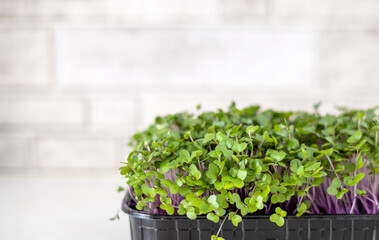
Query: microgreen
227	164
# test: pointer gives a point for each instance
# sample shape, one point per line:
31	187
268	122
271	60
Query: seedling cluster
227	164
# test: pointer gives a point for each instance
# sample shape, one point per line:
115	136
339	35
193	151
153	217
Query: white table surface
61	206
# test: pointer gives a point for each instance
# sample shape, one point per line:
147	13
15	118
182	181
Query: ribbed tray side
319	227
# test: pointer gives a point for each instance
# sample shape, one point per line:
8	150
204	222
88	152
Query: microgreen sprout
227	164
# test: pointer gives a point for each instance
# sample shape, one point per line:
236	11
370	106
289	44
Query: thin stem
130	193
259	148
331	164
148	147
269	207
222	224
354	196
354	200
373	195
193	142
301	199
192	139
252	146
372	201
176	203
200	166
355	188
252	192
376	201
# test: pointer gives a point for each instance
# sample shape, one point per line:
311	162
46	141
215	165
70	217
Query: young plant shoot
227	164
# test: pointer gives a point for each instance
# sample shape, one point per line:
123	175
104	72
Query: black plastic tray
326	227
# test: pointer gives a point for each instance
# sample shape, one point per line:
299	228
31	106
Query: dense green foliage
238	162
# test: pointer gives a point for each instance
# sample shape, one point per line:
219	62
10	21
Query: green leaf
214	237
266	137
213	217
330	139
259	204
164	167
282	189
361	192
317	106
220	212
361	144
220	136
336	183
215	154
275	198
148	191
208	137
319	174
332	190
224	150
212	172
301	209
277	155
355	180
235	198
114	218
251	129
170	210
266	178
140	205
196	154
280	212
172	186
184	191
312	167
294	165
194	172
355	137
235	218
277	219
239	147
191	215
184	153
340	194
300	171
241	174
292	143
212	200
161	192
360	162
187	135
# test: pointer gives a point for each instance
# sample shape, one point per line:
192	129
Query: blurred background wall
78	77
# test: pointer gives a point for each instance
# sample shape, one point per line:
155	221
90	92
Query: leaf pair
277	217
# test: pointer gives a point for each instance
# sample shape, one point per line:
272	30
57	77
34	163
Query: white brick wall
192	57
113	112
55	11
41	111
78	77
243	10
80	152
327	10
350	59
24	57
15	150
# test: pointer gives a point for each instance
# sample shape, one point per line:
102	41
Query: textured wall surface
78	77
